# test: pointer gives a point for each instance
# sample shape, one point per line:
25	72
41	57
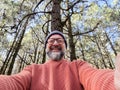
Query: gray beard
55	55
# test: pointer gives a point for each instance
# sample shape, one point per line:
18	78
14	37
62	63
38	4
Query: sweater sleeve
95	79
20	81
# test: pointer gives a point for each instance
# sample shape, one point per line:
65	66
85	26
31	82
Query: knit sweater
59	75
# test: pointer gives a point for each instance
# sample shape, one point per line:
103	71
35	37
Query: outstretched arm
19	81
95	79
117	72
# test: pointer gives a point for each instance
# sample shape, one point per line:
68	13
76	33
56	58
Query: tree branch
78	33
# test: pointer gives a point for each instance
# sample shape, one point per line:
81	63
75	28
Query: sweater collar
54	61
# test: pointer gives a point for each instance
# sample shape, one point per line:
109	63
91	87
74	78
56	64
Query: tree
91	28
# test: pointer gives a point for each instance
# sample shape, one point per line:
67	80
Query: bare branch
38	5
78	33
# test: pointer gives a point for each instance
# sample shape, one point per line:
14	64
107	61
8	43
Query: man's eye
59	40
51	41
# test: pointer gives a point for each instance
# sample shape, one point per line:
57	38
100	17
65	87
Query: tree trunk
16	48
82	51
103	62
111	44
56	17
71	42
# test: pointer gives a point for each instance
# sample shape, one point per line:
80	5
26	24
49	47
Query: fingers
117	72
117	62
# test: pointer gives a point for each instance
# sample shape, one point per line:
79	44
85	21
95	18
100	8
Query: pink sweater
59	75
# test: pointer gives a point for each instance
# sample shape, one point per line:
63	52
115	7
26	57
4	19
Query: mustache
56	47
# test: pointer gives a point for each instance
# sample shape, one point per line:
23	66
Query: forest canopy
91	28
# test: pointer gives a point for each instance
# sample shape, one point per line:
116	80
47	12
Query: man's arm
95	79
19	81
117	72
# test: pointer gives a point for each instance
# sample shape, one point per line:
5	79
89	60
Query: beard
55	55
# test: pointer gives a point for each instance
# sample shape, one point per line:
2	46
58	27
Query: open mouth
55	48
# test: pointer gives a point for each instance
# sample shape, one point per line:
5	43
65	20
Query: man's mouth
55	48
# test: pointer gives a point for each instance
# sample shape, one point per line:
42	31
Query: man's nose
55	43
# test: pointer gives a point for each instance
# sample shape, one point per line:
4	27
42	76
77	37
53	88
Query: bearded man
59	73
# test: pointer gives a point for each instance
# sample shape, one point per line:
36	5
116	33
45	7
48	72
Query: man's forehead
56	36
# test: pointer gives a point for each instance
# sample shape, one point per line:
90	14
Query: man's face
55	48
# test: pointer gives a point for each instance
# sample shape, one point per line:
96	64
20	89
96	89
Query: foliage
95	29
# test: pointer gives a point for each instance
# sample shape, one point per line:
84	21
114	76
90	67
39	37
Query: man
61	74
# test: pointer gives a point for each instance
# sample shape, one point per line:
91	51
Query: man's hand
117	72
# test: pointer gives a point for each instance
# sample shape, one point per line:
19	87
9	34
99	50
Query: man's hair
53	33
